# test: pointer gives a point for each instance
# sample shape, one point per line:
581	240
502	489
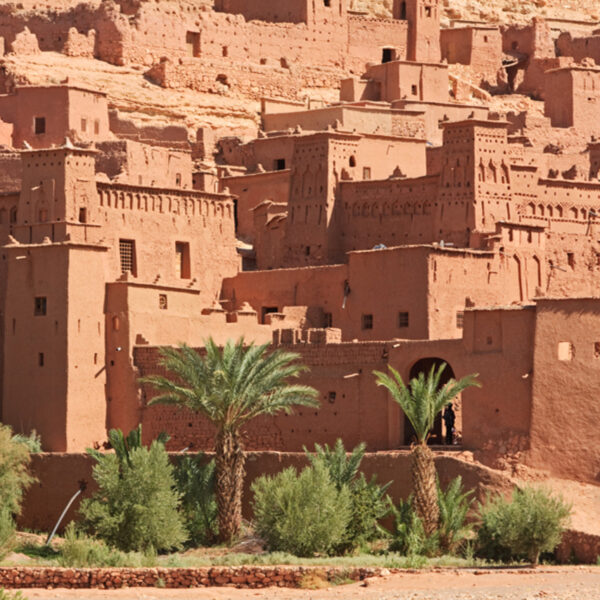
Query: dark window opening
403	10
571	259
367	321
428	11
182	251
403	319
387	55
515	45
332	397
327	3
97	127
127	256
366	172
307	251
266	310
39	125
41	359
352	161
163	302
327	319
460	319
225	51
39	308
192	40
414	90
83	215
13	215
280	164
178	179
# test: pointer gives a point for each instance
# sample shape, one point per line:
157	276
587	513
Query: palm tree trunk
229	458
425	490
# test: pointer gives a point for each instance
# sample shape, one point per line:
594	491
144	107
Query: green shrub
530	523
136	505
195	479
6	595
7	532
81	551
14	477
302	514
33	441
454	503
409	537
369	502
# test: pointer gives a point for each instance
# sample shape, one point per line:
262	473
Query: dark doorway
424	365
387	55
403	10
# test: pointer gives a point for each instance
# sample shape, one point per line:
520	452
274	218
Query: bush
14	477
195	479
409	537
81	551
302	514
33	441
136	505
7	532
369	502
454	503
6	595
409	533
530	523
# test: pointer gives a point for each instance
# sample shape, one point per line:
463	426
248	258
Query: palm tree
231	387
421	401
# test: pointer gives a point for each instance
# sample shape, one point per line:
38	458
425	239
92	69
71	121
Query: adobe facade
407	222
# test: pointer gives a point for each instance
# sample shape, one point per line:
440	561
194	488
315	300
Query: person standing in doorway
449	419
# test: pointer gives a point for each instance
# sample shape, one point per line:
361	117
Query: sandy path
564	583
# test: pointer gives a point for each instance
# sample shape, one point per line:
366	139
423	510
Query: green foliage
409	537
454	503
33	441
368	500
234	385
530	523
7	532
452	533
81	551
195	479
6	595
14	477
136	505
342	468
302	514
423	398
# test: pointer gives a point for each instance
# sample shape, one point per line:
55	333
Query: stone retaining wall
240	577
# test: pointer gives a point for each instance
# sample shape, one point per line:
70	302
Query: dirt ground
556	583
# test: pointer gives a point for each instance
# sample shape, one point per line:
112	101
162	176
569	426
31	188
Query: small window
428	11
182	253
402	319
39	125
127	256
565	351
515	46
225	51
192	40
307	251
83	124
327	3
178	179
596	349
163	302
327	319
280	164
571	259
367	321
414	90
39	306
485	39
460	319
12	216
43	215
331	397
352	161
97	126
366	172
387	55
41	359
83	215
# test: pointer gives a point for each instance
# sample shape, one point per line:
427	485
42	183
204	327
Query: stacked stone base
111	578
